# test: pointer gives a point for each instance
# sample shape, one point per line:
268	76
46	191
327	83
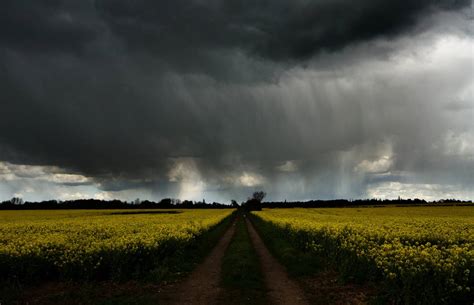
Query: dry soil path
202	285
281	289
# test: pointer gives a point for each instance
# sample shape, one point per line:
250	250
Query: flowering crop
422	255
97	244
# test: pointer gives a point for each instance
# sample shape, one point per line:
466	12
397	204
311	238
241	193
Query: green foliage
97	245
241	273
419	255
297	261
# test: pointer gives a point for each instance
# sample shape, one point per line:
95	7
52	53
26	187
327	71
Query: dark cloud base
120	90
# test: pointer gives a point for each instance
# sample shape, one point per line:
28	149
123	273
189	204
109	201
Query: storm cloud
193	99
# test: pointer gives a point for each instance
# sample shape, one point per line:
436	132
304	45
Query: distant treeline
360	202
168	203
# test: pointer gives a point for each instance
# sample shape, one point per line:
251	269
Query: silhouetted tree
254	203
16	201
188	204
165	203
258	196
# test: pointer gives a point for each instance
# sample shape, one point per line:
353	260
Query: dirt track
281	289
202	286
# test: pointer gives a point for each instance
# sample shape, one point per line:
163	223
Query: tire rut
281	289
202	286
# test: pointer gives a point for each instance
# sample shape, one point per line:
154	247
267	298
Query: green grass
297	262
241	273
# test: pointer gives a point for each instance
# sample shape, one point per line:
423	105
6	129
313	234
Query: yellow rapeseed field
97	243
422	255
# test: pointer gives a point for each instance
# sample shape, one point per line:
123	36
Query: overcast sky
192	99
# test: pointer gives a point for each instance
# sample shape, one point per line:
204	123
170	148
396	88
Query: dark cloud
45	25
175	29
181	97
278	30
